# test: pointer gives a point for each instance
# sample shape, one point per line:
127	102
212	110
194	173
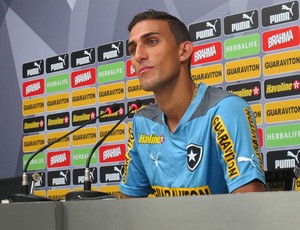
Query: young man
196	139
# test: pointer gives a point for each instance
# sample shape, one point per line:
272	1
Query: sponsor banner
57	63
58	102
210	75
112	153
42	179
242	46
84	97
40	193
297	185
282	135
249	91
57	83
257	110
112	189
32	69
80	155
114	116
280	111
207	53
85	136
281	62
34	124
283	159
84	77
145	102
205	30
119	134
80	117
260	137
241	22
63	143
58	194
78	175
33	143
111	51
58	121
243	69
281	38
58	159
281	13
33	88
33	106
83	57
111	72
134	89
130	72
59	178
112	173
282	87
111	92
37	163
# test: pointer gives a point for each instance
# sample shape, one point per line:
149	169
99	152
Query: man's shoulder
151	112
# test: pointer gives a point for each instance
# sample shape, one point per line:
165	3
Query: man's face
155	54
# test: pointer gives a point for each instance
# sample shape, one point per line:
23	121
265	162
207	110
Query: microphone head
136	105
297	172
113	108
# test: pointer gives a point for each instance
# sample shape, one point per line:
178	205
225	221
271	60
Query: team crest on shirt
194	156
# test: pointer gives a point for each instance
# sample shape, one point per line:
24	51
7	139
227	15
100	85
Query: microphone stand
25	196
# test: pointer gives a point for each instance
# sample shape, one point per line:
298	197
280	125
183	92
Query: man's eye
152	42
132	50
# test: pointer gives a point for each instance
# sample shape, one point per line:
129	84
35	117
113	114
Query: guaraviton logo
205	30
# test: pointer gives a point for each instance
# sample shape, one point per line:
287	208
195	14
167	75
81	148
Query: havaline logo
58	121
37	163
57	63
34	124
281	62
249	91
111	72
79	117
33	106
151	139
57	83
33	88
281	13
58	102
83	77
85	136
210	75
242	46
59	178
282	87
111	92
134	89
32	69
166	192
84	97
207	53
112	153
78	175
110	51
280	39
80	155
58	159
119	134
205	30
257	110
130	72
241	22
33	142
63	143
112	173
282	135
83	57
144	102
243	69
283	159
114	116
281	111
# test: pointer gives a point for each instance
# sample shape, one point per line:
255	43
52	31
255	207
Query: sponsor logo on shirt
163	191
194	156
151	139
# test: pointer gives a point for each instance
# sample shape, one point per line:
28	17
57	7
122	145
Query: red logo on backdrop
130	72
260	137
282	38
83	78
33	88
112	153
207	53
58	159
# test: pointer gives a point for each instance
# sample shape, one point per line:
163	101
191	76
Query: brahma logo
33	88
207	53
83	77
205	30
112	153
58	159
151	139
130	72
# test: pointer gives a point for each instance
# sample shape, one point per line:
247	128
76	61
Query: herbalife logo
281	13
83	57
241	22
110	51
205	30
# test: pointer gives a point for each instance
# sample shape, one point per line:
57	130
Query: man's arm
253	186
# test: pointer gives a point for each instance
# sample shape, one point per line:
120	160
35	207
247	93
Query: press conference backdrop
62	62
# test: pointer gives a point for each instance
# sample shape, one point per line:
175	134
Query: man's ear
186	50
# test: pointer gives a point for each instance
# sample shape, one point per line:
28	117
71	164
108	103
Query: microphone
25	196
87	194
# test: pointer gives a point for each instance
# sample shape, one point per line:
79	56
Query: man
194	140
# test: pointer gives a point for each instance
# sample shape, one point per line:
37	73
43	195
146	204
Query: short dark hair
177	27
